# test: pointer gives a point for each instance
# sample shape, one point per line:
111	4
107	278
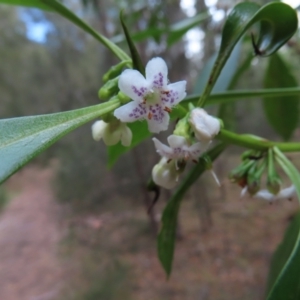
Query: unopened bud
115	71
205	126
109	89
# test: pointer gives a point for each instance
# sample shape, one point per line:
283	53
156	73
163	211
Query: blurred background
70	228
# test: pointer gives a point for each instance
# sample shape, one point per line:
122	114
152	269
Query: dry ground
112	255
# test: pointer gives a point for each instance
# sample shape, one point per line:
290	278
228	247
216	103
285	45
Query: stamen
195	161
150	115
165	92
167	109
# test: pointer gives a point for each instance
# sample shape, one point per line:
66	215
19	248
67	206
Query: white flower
165	174
112	132
179	148
286	193
152	96
205	126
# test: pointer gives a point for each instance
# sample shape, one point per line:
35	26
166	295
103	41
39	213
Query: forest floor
48	253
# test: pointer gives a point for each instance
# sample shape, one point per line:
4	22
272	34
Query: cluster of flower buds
250	172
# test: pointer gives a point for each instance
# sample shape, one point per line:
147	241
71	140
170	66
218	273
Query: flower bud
165	173
115	71
112	132
254	176
204	125
109	89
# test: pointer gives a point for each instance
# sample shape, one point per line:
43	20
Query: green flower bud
254	176
123	98
239	174
273	181
109	89
274	184
183	128
115	71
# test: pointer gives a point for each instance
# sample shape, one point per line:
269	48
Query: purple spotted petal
131	112
159	120
133	84
157	72
174	94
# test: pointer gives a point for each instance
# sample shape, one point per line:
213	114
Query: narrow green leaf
135	56
287	283
278	22
167	236
284	251
281	112
27	3
23	138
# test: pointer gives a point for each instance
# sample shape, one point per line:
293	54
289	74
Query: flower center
153	97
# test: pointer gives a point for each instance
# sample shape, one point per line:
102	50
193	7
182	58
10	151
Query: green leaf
136	59
167	236
284	251
278	22
287	283
23	138
281	112
27	3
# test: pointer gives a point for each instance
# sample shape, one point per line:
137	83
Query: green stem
255	142
239	95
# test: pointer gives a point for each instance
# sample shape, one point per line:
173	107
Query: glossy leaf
284	251
278	22
23	138
287	283
167	236
281	112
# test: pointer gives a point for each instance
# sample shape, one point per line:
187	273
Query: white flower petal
265	195
157	72
111	135
287	193
98	129
175	93
195	150
164	174
159	121
131	112
205	127
162	149
126	136
177	141
133	84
